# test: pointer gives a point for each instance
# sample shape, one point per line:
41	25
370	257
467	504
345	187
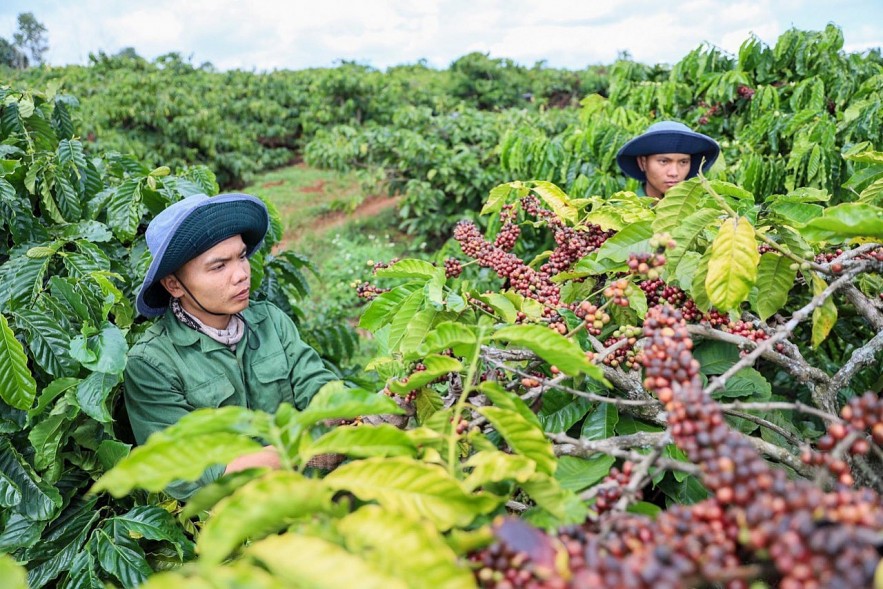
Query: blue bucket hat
190	227
668	137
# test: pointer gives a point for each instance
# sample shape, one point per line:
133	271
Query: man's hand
268	457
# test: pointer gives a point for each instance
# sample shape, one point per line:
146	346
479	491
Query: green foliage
804	98
480	400
73	254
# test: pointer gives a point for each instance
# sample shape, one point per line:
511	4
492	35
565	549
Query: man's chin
239	306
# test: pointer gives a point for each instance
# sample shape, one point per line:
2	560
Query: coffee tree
72	255
641	383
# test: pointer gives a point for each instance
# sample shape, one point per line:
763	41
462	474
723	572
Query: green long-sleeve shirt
174	369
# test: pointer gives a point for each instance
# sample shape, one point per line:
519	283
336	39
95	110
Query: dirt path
371	206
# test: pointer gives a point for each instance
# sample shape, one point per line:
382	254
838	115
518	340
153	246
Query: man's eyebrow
218	259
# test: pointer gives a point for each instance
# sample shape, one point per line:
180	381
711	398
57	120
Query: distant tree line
28	43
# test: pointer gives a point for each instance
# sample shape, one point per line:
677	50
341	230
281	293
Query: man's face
219	279
663	171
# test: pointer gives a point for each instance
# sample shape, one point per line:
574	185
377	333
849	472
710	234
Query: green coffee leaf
493	466
161	461
552	347
522	436
557	200
846	221
334	401
775	277
681	201
362	441
17	387
436	366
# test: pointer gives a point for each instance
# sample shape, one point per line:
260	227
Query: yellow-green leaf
303	561
13	574
457	336
238	575
411	268
41	251
493	466
158	463
336	401
824	316
435	366
562	503
732	269
17	386
557	200
258	508
362	441
499	196
523	437
413	488
379	536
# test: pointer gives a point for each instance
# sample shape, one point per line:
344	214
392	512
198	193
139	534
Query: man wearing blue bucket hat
211	346
665	155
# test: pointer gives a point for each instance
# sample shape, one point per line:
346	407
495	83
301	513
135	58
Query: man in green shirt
211	346
665	155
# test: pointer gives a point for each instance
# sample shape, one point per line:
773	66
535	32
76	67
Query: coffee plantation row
581	388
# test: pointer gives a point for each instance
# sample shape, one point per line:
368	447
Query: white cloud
267	34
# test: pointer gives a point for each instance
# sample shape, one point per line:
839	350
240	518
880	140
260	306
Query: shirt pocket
274	383
211	393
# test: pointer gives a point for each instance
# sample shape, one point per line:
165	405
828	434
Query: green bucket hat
190	227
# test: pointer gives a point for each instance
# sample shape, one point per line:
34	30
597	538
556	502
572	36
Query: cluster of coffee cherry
746	92
522	278
595	318
615	292
453	268
611	489
862	417
710	111
646	264
366	290
510	231
758	523
795	521
572	244
625	356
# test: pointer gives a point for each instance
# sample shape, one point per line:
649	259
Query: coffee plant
72	255
783	116
583	388
638	445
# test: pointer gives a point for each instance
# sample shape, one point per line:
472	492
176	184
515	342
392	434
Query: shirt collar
181	335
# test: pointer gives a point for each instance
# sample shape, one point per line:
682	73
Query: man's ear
642	162
171	284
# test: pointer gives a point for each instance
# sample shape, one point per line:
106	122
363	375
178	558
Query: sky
265	35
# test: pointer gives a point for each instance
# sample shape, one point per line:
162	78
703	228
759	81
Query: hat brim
205	227
702	149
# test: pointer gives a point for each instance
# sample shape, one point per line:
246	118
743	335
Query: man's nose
243	271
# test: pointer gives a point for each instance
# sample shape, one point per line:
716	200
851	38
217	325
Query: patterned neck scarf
230	336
